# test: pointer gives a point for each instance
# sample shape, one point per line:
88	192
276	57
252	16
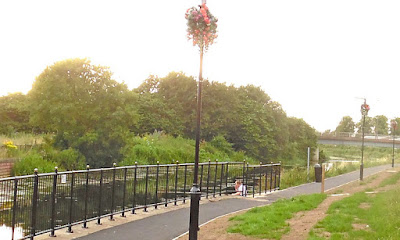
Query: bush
27	164
167	149
70	159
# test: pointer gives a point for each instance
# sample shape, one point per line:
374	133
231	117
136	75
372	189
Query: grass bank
270	221
373	156
363	216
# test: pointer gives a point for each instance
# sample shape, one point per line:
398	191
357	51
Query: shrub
27	164
70	159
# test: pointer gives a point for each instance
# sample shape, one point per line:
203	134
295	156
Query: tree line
86	110
379	124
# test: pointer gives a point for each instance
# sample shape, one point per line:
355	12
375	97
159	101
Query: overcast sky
316	58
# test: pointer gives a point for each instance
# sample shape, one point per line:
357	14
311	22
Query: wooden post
323	179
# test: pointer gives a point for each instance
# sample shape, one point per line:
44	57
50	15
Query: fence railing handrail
80	196
130	167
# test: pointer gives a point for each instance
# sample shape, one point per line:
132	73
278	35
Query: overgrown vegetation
167	149
372	155
270	221
145	150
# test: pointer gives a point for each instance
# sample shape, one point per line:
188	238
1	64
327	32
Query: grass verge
362	216
270	221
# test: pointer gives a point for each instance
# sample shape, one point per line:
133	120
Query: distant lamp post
202	29
364	111
393	123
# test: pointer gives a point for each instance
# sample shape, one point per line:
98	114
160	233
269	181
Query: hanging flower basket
393	123
202	26
364	109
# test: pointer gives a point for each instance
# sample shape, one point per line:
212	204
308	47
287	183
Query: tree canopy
97	116
346	125
86	109
381	125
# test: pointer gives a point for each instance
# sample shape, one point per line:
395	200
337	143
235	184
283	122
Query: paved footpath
174	223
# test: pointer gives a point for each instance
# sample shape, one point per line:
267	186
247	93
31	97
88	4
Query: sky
317	58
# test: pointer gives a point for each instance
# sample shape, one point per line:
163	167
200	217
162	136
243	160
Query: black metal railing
44	203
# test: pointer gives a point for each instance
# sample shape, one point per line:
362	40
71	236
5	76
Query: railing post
215	177
270	180
166	188
208	176
184	185
176	182
100	197
259	187
53	203
244	172
124	193
146	189
86	196
279	172
220	180
134	190
34	204
14	206
254	181
275	179
247	178
158	171
226	178
201	177
113	193
71	201
266	179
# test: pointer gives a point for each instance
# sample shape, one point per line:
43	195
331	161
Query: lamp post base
194	212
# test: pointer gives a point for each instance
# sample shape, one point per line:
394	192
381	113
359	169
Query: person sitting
240	188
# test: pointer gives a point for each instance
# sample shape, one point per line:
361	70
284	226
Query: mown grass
380	220
270	221
390	181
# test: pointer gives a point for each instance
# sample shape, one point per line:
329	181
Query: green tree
381	125
246	116
154	113
85	107
220	105
302	136
346	125
367	127
14	115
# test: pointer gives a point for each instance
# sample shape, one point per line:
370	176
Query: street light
195	191
393	123
364	111
202	29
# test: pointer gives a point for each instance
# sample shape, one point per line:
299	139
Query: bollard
323	179
318	172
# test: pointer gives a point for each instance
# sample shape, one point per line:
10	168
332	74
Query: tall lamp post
393	123
364	111
202	29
